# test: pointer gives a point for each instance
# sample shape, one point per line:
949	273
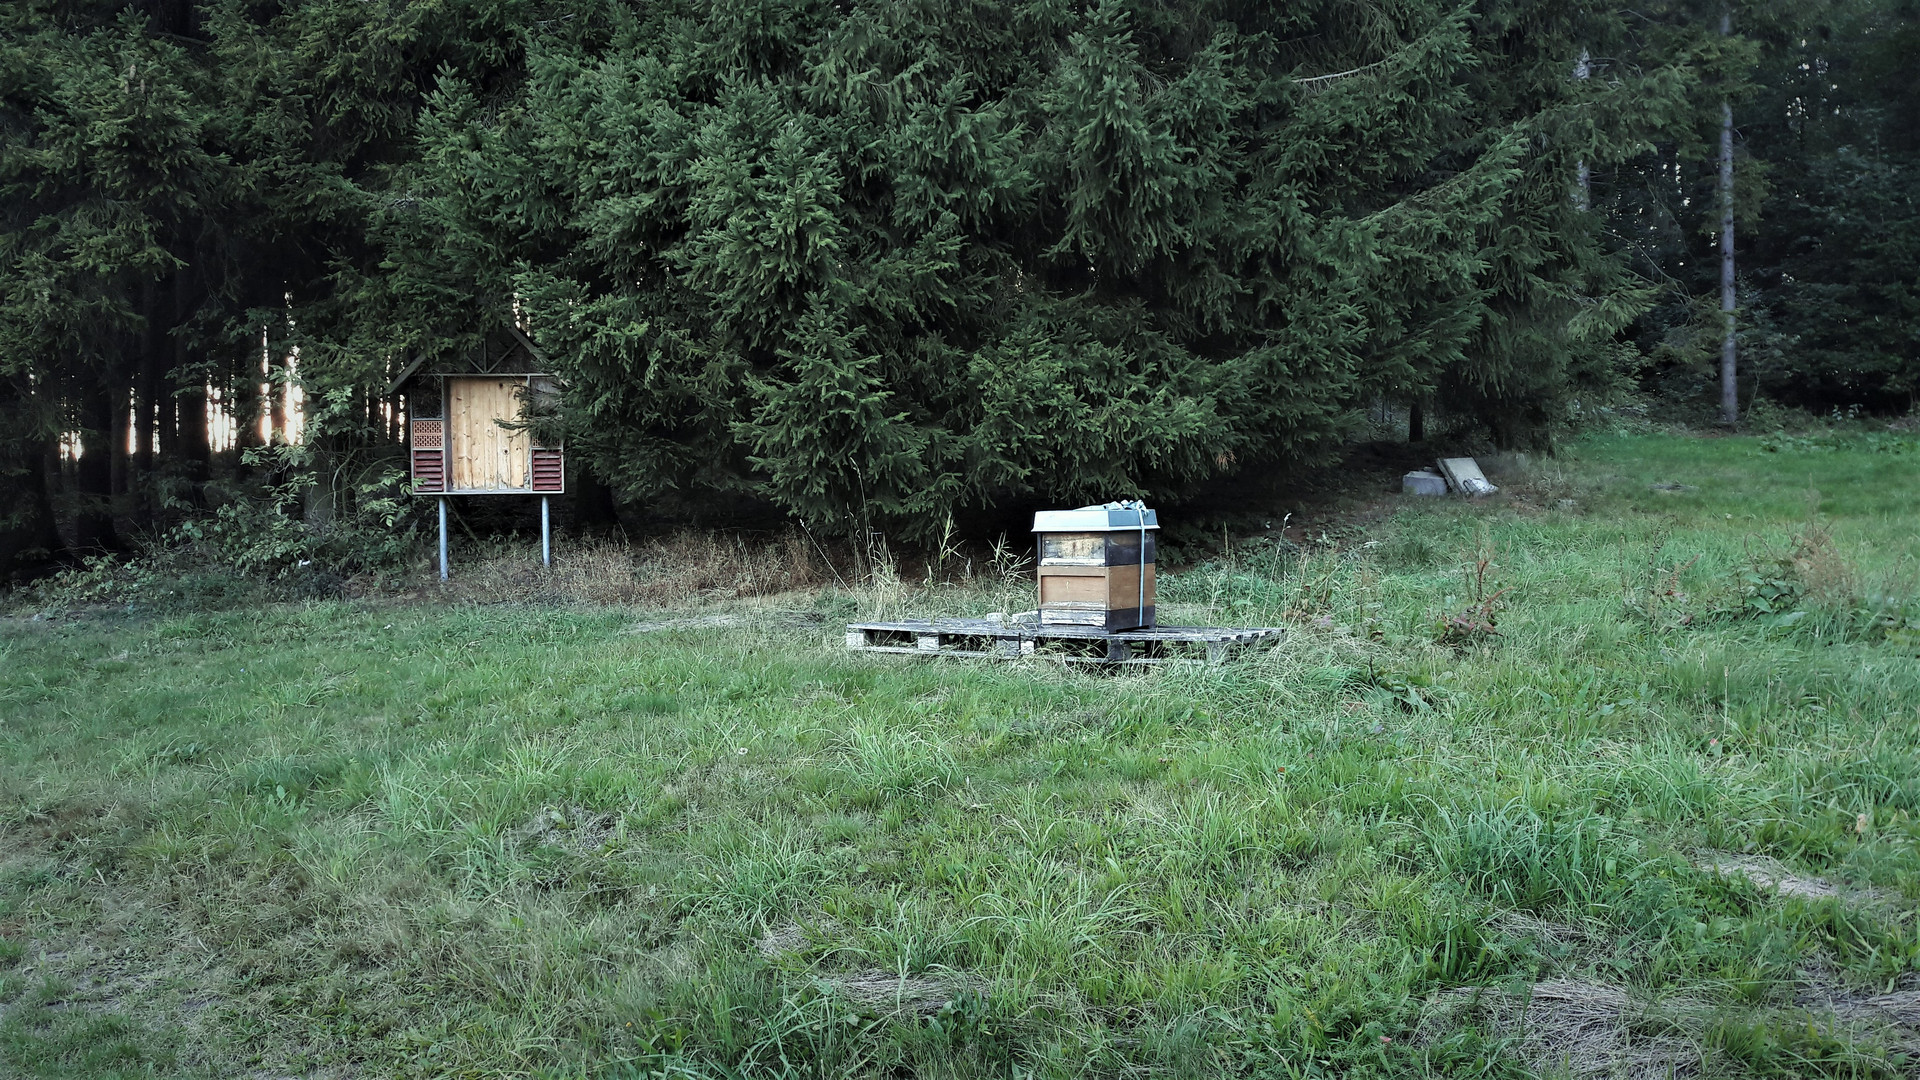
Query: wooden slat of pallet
931	637
986	628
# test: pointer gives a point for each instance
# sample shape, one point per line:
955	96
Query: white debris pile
1460	475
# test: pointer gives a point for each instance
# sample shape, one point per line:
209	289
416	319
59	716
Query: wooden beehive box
1095	566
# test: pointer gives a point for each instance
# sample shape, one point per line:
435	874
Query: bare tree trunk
273	370
192	432
1729	386
93	473
120	479
166	425
29	542
251	408
149	390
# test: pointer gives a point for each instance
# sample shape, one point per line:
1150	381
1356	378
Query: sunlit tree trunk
93	473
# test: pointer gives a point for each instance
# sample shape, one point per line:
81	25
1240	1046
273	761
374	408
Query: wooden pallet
992	639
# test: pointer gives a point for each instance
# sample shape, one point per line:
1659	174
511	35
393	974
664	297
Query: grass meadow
1613	775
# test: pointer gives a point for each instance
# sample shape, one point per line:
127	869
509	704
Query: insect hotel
473	428
1095	566
1094	579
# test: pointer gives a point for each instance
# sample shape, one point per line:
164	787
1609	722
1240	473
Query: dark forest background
885	266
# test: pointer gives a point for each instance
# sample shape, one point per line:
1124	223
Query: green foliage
1827	206
1773	593
1835	269
252	545
886	263
1478	623
263	535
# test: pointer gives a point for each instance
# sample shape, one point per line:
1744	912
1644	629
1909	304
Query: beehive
1095	566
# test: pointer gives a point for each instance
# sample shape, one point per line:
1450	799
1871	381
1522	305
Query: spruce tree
884	263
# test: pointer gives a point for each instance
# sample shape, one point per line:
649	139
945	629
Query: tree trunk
29	542
166	425
148	394
249	407
321	497
279	381
93	474
119	482
1729	387
1416	423
1583	193
194	438
189	393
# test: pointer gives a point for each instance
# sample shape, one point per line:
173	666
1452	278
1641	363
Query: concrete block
1423	482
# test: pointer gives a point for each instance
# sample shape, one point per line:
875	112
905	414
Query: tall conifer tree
885	262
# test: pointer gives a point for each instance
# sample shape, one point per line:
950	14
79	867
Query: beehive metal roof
1112	517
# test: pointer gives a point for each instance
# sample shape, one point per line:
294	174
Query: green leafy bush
254	545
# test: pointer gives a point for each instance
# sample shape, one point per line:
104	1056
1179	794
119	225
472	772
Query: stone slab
1423	482
1464	475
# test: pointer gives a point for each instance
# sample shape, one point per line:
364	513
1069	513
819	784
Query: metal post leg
546	535
443	538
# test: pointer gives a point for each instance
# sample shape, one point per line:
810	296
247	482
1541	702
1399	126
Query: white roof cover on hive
1112	517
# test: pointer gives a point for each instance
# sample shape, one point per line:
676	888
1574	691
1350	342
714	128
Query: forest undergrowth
1610	775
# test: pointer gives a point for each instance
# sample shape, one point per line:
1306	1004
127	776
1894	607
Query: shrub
252	546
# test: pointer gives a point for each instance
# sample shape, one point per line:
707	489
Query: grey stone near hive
1423	482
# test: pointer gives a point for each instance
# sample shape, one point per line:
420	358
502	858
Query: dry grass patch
887	992
683	567
1770	875
1584	1029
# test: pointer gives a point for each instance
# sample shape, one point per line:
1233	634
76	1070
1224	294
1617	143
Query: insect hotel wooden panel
476	446
1095	566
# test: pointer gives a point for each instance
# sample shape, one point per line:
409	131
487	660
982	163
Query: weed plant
1642	830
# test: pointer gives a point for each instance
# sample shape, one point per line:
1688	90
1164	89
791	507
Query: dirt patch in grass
780	940
573	828
1588	1029
1563	935
1770	875
887	992
1894	1014
870	989
689	622
722	620
1901	1007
